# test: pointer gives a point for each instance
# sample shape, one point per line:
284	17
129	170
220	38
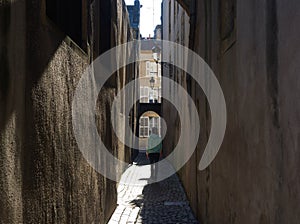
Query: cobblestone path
140	202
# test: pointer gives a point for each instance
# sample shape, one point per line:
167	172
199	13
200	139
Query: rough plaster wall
176	28
255	176
169	115
58	185
44	177
288	14
12	60
122	33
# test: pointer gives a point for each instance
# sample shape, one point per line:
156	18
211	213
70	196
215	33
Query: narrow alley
149	111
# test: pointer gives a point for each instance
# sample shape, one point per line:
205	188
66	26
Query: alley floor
140	202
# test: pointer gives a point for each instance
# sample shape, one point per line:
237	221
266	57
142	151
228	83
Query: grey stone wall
252	46
43	176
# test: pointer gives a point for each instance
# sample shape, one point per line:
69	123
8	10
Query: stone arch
146	107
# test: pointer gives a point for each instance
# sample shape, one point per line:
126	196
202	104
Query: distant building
134	16
149	69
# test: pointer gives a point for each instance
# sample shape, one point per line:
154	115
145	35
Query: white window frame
148	68
159	127
144	94
155	122
151	69
159	70
151	94
155	94
159	94
144	127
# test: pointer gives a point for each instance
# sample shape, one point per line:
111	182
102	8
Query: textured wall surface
43	175
253	48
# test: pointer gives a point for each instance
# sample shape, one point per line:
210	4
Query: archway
147	107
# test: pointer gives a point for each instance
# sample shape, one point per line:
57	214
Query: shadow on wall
27	47
43	175
4	66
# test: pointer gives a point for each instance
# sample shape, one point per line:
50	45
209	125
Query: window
155	94
154	122
148	68
144	94
151	94
159	70
144	127
159	95
151	69
151	125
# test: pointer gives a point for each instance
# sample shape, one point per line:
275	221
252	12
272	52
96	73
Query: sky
146	25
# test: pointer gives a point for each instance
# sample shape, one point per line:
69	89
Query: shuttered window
154	122
144	94
144	127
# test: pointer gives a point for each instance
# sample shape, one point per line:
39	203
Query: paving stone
141	202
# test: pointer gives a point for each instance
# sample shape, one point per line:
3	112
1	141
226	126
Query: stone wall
252	47
43	175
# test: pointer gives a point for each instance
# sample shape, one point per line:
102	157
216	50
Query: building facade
45	48
253	49
150	71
